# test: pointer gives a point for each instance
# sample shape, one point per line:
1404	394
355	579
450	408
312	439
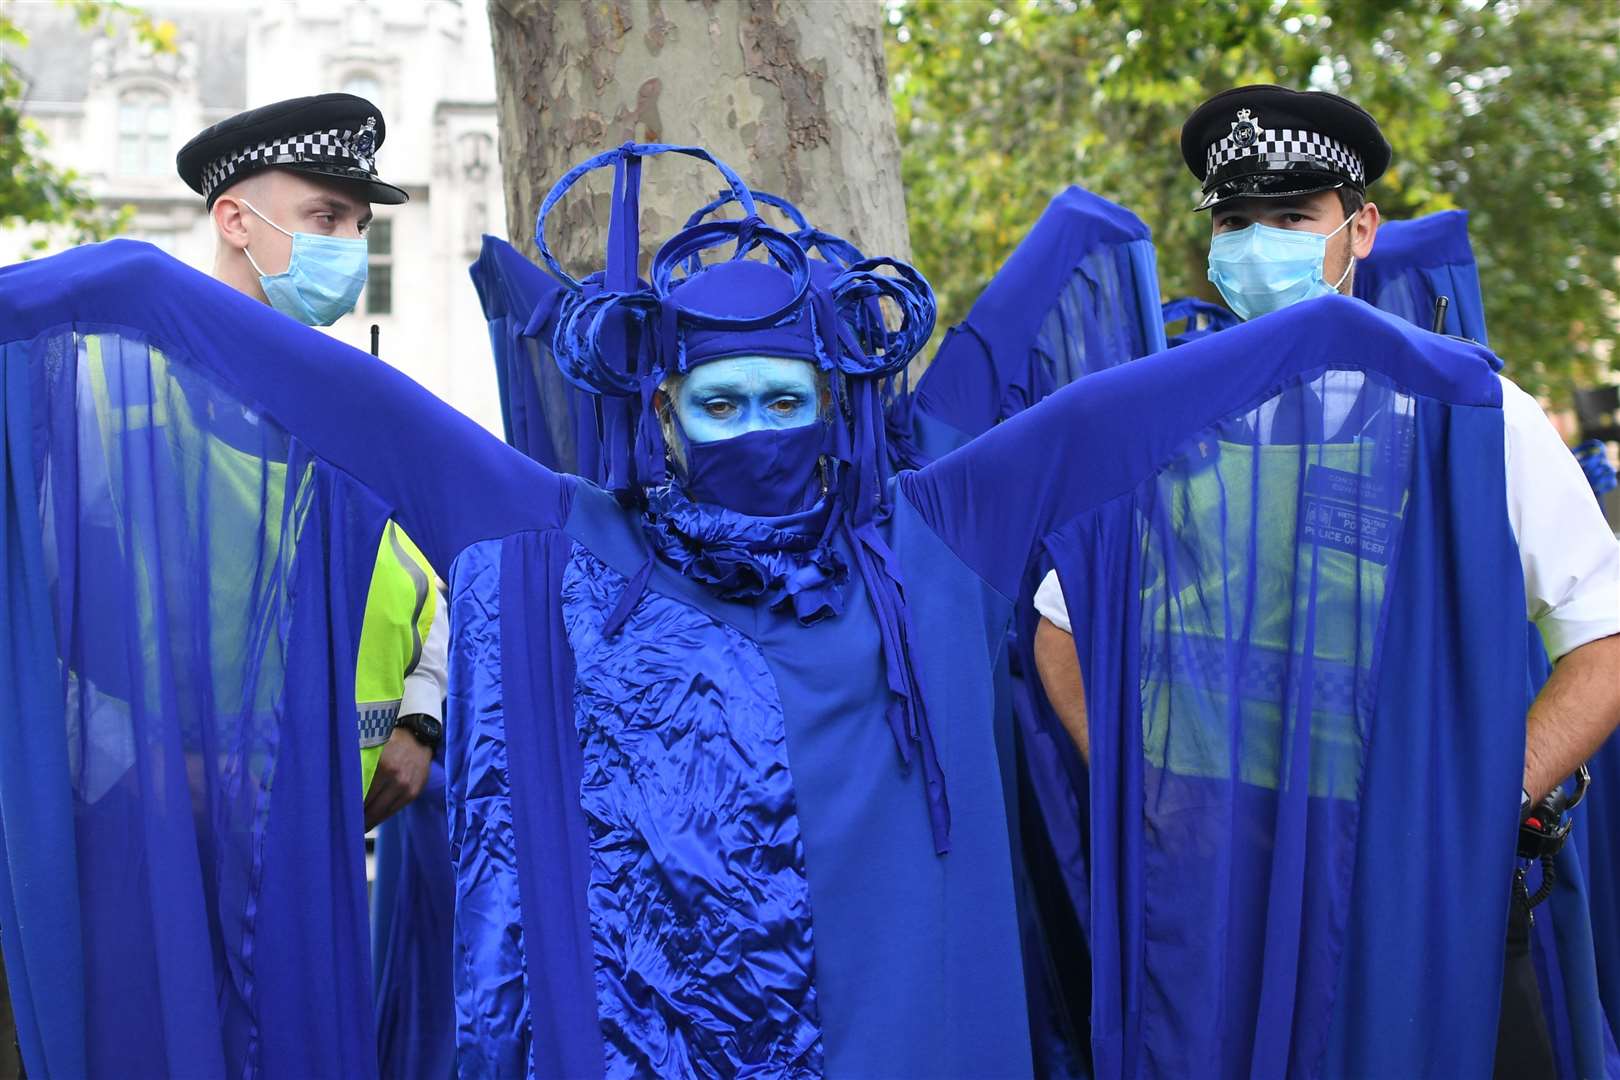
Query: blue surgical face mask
1261	269
323	278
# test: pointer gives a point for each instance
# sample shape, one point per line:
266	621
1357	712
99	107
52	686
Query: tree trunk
792	94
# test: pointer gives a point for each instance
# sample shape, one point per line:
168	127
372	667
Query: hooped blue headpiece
833	251
831	255
618	337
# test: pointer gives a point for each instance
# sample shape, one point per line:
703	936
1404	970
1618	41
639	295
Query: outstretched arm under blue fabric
993	500
419	455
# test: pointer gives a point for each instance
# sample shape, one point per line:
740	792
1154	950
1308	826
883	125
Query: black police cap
335	136
1268	141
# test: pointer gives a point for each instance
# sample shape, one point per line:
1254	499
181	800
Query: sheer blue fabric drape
1079	294
202	581
544	415
1246	620
1414	263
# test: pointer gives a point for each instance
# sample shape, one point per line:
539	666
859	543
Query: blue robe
691	846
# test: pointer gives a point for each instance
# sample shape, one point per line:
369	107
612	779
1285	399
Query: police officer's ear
1363	229
230	221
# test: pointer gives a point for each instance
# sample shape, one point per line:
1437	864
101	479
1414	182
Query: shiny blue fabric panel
699	904
493	1020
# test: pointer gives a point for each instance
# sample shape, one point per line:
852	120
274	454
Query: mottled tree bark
793	94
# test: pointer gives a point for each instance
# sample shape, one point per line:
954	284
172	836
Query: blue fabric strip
413	949
39	911
525	1000
311	903
1447	740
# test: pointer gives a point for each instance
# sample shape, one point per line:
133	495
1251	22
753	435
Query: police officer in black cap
289	187
1285	177
1296	164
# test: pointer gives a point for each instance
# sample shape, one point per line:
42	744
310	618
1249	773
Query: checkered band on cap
1283	145
335	146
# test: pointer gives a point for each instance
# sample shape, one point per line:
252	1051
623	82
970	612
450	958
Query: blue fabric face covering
765	473
323	278
1261	269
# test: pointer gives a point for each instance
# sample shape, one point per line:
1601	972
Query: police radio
1545	825
1543	828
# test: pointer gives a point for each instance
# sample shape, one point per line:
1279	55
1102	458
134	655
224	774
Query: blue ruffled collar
783	561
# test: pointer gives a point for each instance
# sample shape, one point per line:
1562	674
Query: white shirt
429	681
1571	560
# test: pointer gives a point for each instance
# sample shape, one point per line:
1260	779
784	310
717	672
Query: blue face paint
726	398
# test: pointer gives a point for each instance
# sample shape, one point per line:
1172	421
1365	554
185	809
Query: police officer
1285	177
289	188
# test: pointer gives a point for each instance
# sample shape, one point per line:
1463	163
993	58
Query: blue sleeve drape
1078	442
1260	559
194	491
1078	295
180	794
1414	263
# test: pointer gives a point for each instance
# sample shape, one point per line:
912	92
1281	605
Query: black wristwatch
428	731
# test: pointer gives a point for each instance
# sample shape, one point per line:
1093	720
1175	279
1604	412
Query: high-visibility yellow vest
400	608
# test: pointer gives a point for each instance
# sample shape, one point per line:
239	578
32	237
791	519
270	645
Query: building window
143	134
380	267
363	85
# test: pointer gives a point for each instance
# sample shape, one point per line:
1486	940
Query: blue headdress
830	255
619	337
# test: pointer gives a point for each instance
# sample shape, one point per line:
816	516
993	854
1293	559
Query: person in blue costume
725	581
521	306
1284	177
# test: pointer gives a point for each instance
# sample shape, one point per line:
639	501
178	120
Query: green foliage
32	190
1510	110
